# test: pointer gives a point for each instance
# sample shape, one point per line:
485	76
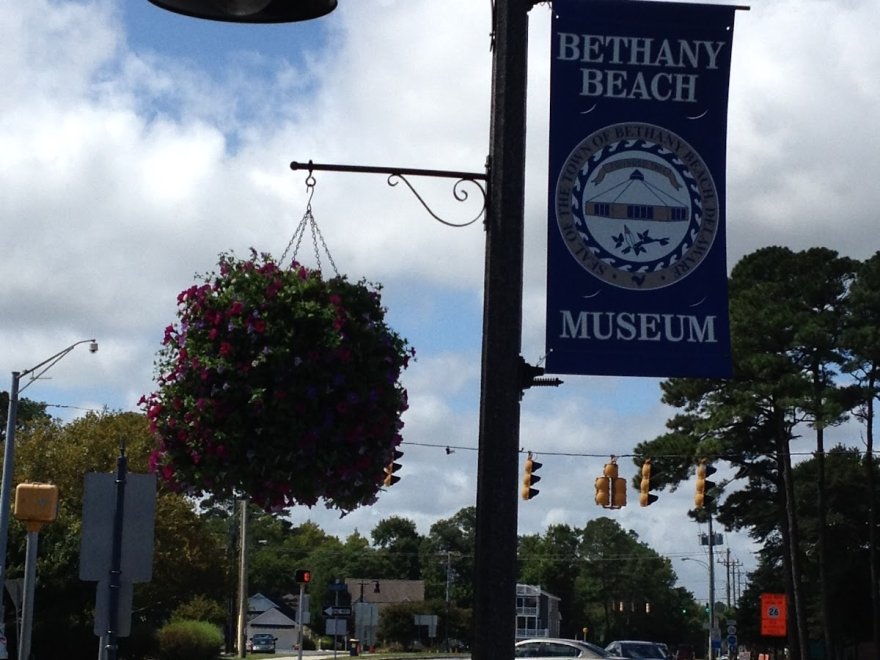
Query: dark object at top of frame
250	11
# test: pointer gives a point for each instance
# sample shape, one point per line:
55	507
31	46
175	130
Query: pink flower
267	369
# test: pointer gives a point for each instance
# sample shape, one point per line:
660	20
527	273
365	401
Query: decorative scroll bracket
396	174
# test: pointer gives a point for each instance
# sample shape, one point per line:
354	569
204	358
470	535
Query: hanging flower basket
279	385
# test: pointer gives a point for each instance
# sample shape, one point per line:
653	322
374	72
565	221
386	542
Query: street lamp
376	588
495	563
250	11
711	624
9	457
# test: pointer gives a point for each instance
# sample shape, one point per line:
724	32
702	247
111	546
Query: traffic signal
610	488
302	576
702	498
617	484
391	468
646	497
530	478
618	493
603	496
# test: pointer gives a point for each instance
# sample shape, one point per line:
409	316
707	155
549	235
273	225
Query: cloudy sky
136	145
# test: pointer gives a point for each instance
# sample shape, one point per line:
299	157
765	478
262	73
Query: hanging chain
308	220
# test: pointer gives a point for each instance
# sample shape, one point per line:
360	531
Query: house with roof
370	596
278	619
537	612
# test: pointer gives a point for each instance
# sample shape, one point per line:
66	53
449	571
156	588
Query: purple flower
270	369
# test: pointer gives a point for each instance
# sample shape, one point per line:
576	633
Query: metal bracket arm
396	174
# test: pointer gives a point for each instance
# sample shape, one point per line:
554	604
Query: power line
450	448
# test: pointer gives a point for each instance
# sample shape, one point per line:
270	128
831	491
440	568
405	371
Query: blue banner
636	273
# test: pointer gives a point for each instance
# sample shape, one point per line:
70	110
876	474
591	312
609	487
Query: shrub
189	640
200	608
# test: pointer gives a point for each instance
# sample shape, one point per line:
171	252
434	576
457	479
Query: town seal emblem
637	206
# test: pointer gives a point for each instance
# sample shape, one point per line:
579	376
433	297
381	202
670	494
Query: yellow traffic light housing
530	478
391	468
646	497
618	493
610	488
603	495
702	497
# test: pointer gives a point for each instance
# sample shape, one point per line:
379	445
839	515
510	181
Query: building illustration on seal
637	199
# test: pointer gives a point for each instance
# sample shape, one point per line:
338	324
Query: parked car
263	643
684	652
554	647
636	650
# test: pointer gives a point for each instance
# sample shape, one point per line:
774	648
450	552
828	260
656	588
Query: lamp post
711	624
9	458
501	376
241	623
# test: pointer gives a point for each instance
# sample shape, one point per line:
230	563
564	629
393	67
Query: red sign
774	615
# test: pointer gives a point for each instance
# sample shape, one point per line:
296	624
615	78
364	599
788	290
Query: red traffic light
303	576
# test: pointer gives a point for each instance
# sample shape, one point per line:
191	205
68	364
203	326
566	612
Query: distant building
267	616
370	596
537	612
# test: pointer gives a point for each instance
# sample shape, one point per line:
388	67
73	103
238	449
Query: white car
636	650
554	647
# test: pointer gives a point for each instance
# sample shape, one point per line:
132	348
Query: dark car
684	652
263	643
552	647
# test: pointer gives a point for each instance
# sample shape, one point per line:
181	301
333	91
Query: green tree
397	624
785	317
399	546
849	593
825	280
186	555
861	339
200	608
448	558
27	412
629	587
552	562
